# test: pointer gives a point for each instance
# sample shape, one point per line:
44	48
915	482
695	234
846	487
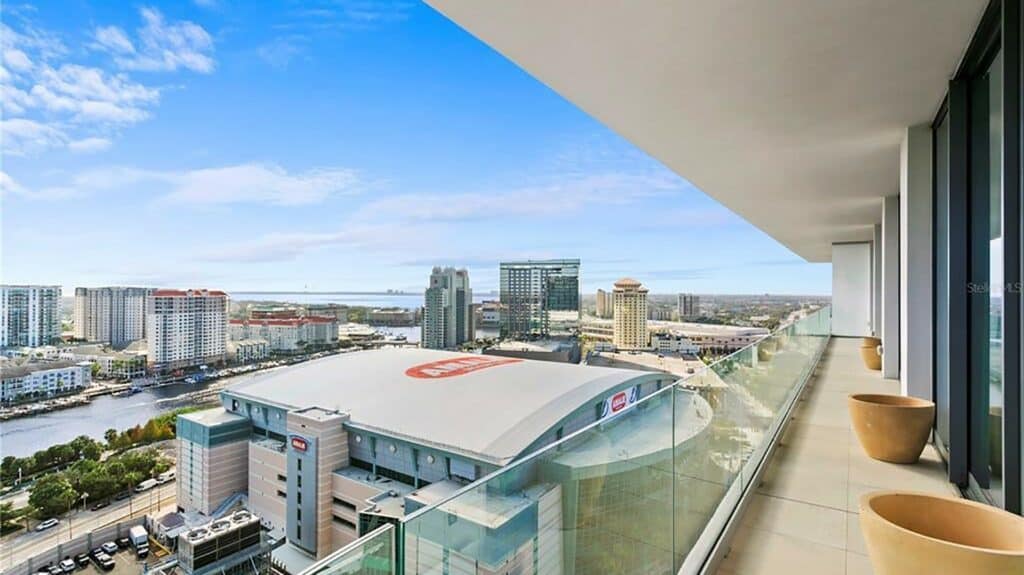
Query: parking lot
125	563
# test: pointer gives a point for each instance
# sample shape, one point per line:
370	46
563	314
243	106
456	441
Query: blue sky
327	146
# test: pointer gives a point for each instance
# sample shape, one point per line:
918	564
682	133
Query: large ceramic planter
917	533
871	358
870	342
891	428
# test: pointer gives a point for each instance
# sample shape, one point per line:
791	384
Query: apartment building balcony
803	516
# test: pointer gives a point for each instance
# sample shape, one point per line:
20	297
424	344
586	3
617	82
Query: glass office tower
540	298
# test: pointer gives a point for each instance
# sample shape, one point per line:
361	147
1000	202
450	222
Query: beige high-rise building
630	315
115	315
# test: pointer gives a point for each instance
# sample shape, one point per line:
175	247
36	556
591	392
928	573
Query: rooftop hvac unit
217	541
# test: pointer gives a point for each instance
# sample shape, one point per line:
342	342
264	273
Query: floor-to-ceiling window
987	288
977	251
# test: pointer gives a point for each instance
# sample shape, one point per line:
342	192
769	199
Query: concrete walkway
803	518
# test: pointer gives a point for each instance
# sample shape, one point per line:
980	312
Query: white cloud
92	95
10	186
16	60
280	52
23	137
89	145
252	183
277	247
161	45
261	183
49	102
561	196
113	39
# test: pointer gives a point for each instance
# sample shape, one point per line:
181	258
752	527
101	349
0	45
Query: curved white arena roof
489	407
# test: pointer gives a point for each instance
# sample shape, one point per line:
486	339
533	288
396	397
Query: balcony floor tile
803	517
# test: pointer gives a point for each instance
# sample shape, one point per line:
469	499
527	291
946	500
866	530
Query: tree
110	436
52	495
95	369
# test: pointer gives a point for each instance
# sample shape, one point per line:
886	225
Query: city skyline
191	169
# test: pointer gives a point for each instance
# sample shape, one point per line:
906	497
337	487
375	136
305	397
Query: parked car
123	542
142	551
109	547
82	559
46	524
103	561
99	505
67	565
96	553
55	570
122	496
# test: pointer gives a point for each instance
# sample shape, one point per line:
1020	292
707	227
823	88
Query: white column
891	344
916	262
876	281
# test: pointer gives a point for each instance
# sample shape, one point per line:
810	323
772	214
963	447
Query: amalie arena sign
457	366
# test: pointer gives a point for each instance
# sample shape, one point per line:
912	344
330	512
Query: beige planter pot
871	358
891	428
917	533
870	341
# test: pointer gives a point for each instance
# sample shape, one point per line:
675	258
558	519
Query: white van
165	477
146	485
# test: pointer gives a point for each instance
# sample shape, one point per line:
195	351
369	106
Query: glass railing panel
373	554
599	502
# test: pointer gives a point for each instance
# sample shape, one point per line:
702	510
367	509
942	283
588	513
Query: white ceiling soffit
788	112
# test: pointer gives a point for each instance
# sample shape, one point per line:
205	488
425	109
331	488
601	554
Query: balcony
803	517
748	466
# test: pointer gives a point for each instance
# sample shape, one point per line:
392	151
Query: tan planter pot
870	341
871	358
917	533
891	428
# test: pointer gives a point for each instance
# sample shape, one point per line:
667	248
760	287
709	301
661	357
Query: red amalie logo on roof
299	444
457	366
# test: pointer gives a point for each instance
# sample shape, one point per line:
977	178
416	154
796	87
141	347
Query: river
26	435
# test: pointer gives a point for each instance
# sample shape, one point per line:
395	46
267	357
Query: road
20	547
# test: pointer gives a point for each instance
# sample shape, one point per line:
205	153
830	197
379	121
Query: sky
327	146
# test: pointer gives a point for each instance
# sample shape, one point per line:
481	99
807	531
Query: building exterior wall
317	445
286	335
44	382
539	298
248	350
630	315
268	482
447	309
29	315
212	460
688	305
186	328
116	315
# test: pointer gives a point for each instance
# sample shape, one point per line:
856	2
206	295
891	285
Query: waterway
26	435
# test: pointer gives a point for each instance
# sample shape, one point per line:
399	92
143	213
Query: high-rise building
688	305
29	315
540	297
630	331
605	304
186	328
447	309
116	315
